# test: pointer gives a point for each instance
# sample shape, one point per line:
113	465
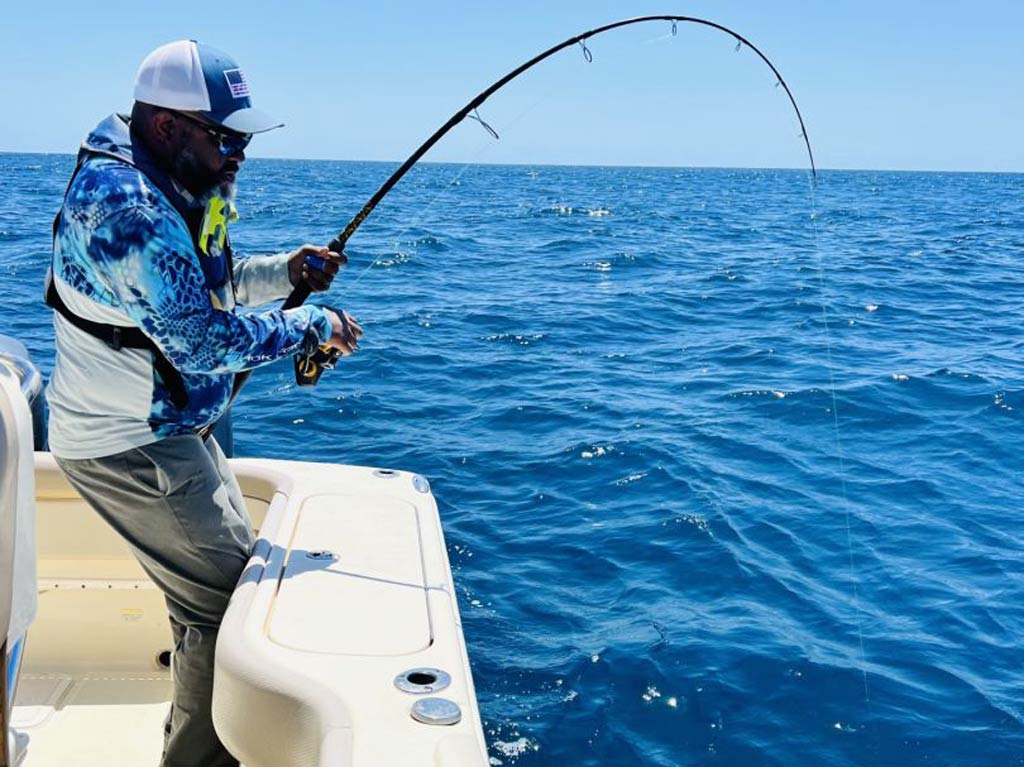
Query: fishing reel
312	361
310	365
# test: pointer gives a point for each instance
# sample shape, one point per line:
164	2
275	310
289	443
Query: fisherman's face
200	164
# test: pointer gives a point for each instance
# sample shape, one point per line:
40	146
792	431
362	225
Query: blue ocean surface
731	473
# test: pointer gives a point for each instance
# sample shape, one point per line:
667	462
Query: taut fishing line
421	215
310	366
302	291
840	456
471	111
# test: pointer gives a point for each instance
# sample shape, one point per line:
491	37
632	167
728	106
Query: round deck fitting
421	681
436	711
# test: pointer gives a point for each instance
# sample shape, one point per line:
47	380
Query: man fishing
148	342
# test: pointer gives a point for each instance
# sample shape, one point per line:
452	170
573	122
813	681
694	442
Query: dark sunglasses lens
233	144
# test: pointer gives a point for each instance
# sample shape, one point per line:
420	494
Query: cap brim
248	120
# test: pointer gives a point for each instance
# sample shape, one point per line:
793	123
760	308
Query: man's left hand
315	266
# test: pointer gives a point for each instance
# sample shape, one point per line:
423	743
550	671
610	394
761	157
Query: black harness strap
119	337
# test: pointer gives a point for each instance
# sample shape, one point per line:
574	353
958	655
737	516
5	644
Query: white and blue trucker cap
193	77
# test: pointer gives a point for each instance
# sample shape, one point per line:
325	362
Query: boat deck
95	685
92	718
348	590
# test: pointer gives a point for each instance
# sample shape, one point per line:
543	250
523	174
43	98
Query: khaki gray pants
178	505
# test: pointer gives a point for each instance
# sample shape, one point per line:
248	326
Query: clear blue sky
904	84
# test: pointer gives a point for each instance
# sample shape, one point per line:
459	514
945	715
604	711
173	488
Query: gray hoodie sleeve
259	279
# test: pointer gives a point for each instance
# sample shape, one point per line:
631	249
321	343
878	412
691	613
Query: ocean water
730	474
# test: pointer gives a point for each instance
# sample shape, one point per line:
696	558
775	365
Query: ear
163	128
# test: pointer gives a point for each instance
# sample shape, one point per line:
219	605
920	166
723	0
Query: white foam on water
516	338
397	259
515	748
630	479
696	520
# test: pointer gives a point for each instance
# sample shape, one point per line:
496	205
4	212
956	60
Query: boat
342	645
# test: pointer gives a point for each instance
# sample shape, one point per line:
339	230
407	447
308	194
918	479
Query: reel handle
309	366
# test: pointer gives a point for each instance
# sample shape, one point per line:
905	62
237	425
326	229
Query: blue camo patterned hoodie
123	255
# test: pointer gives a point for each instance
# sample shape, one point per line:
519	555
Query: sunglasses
227	143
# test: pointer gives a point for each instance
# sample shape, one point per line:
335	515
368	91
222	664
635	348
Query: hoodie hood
113	138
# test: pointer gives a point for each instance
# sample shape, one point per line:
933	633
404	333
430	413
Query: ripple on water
620	383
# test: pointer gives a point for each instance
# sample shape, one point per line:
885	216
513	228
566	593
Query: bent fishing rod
309	366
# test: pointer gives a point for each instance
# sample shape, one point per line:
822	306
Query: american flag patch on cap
237	83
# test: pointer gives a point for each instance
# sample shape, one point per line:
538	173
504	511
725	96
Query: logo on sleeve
237	83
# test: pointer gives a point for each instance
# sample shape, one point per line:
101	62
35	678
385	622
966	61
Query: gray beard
226	192
188	174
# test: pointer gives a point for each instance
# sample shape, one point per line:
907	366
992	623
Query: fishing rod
309	366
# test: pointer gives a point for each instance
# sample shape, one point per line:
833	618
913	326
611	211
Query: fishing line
840	455
309	367
481	149
302	292
588	56
420	216
471	111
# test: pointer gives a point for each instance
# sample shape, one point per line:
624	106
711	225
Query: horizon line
592	165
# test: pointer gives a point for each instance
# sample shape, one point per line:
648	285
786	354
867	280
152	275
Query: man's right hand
345	331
